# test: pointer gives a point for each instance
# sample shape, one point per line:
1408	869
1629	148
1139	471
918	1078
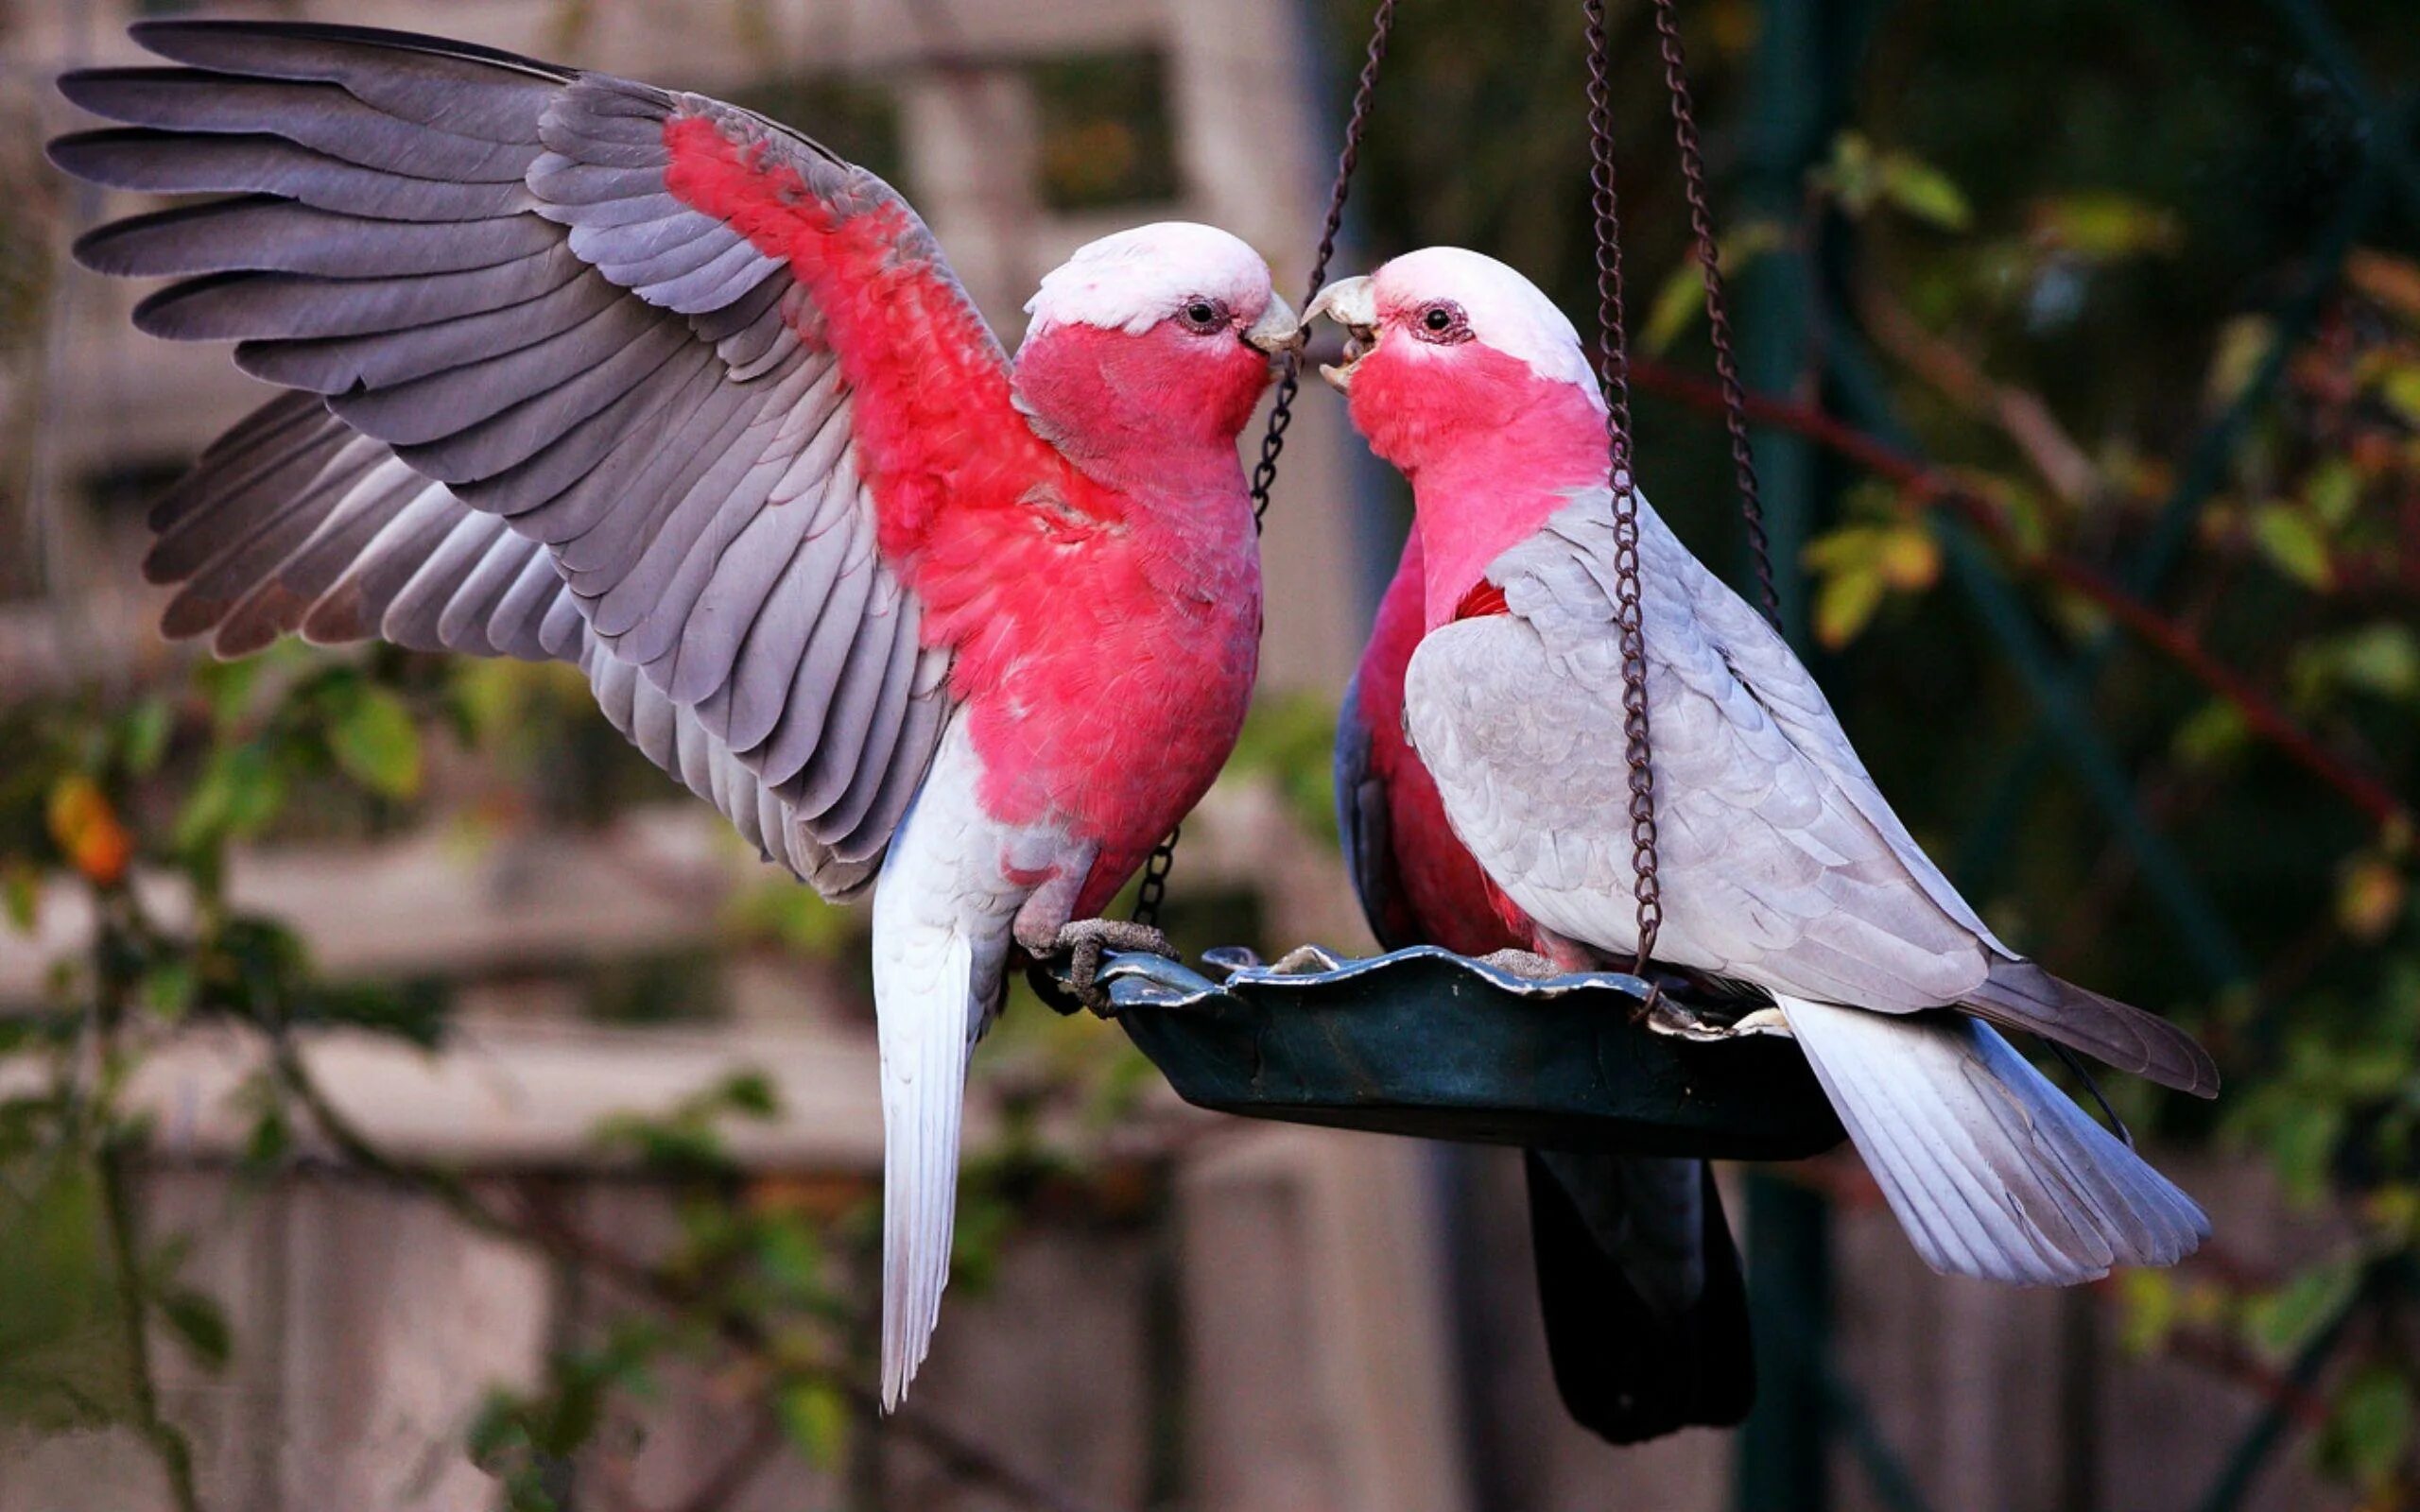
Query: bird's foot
1522	963
1082	941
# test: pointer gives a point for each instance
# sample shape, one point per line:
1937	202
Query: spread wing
592	369
1780	862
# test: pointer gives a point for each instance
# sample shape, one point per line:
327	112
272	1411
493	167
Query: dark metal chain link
1717	315
1289	380
1612	361
1155	879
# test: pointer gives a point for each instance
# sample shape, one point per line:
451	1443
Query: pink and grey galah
592	370
1782	866
1639	1287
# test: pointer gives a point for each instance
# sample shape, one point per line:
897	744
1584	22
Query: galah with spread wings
1782	866
1639	1289
594	370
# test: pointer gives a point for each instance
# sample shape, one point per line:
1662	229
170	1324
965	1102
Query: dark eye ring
1204	314
1442	324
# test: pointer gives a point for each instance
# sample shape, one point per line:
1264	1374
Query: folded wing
1781	863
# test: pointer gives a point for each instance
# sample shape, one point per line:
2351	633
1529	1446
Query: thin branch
2226	1357
1929	485
2024	416
167	1443
111	988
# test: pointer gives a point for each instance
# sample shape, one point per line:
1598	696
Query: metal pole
1807	54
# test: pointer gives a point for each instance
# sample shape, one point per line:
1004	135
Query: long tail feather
1646	1313
1992	1171
926	1014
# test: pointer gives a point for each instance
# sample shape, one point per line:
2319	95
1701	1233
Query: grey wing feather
368	548
476	264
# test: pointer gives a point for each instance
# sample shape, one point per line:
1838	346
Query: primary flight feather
587	369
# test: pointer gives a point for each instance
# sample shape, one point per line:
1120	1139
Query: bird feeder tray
1426	1042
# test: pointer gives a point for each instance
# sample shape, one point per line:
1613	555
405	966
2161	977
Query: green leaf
2382	658
816	1421
168	987
144	735
2104	227
2282	1321
373	739
199	1326
1683	295
2242	345
2400	389
2369	1428
240	791
1850	177
750	1093
2153	1306
62	1345
2211	733
21	894
2303	1140
1924	192
1845	605
2333	491
2292	542
229	685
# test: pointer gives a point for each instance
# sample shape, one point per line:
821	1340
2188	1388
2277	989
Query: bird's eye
1203	315
1442	324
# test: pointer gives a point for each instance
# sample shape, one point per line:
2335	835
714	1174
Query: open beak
1351	303
1277	330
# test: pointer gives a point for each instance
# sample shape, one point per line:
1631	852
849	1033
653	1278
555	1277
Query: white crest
1133	281
1505	310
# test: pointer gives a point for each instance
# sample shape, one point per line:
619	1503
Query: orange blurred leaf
86	828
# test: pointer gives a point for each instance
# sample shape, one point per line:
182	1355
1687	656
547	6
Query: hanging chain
1717	315
1289	379
1612	361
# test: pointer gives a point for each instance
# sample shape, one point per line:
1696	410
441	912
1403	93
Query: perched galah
599	372
1782	866
1638	1283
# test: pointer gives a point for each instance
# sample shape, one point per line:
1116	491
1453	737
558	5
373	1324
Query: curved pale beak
1352	304
1277	330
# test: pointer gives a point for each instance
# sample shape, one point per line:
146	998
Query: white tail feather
926	1019
1990	1168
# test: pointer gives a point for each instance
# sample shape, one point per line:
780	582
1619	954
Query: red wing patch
1483	599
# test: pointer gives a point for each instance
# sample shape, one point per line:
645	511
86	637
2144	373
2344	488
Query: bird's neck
1488	469
1150	415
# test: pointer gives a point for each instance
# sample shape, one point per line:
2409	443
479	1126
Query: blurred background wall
453	1116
